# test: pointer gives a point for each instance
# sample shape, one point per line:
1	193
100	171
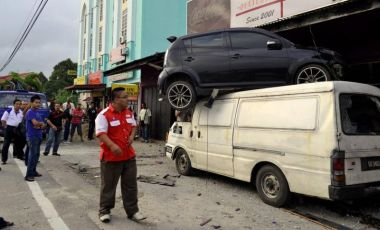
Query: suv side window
207	43
248	40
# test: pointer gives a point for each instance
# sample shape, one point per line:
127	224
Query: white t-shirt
145	115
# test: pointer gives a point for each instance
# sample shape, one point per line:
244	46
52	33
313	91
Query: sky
53	38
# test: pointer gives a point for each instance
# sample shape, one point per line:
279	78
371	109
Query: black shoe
4	163
56	154
45	153
37	175
30	179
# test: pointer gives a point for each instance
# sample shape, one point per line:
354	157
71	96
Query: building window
84	49
124	24
100	63
91	19
84	21
100	10
100	38
90	45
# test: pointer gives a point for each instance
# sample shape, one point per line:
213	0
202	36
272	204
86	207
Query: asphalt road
69	195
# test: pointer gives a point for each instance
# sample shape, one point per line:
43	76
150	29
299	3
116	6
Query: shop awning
86	87
155	61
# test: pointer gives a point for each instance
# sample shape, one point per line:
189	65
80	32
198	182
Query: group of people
115	127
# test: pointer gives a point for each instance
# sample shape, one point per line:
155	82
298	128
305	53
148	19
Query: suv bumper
161	82
351	192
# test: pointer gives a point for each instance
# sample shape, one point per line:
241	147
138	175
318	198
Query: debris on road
156	180
238	209
168	175
205	222
199	194
218	203
216	226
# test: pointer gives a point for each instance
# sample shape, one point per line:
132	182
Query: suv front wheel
181	95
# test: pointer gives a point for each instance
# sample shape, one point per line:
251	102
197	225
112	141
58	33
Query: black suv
239	58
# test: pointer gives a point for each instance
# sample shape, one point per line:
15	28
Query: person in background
115	128
23	131
10	121
91	114
34	126
55	121
76	122
68	102
144	118
67	114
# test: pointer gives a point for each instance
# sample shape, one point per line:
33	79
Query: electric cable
26	32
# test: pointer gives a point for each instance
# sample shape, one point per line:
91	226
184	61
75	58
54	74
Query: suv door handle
199	134
235	56
189	59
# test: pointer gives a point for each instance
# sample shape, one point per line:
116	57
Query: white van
318	139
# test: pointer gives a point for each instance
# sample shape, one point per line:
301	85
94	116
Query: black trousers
110	173
91	129
10	136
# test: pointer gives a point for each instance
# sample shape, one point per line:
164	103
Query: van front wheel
182	162
272	186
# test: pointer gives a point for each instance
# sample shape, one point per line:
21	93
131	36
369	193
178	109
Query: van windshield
6	99
360	114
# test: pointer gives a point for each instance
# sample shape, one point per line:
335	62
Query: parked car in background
239	58
7	98
320	139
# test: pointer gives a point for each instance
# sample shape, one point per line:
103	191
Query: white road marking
46	206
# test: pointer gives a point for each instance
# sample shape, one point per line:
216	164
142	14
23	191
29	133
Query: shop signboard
206	15
95	78
80	80
131	89
120	76
117	54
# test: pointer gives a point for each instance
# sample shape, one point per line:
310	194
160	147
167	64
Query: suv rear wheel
181	95
312	73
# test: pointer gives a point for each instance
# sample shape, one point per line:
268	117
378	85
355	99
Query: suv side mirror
274	44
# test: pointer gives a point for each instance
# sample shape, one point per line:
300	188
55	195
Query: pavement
67	196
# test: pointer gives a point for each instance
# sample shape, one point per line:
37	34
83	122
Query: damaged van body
318	139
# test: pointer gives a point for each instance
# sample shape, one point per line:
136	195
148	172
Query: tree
30	82
59	79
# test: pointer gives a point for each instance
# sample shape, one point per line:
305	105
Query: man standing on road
54	120
10	121
34	126
76	122
115	128
91	114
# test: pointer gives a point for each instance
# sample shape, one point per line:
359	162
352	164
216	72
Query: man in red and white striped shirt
76	122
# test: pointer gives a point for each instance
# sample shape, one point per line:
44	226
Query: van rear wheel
183	163
272	186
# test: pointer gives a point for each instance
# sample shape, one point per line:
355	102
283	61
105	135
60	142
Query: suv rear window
248	40
206	43
360	114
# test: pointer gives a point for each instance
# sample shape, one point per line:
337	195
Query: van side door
219	135
198	143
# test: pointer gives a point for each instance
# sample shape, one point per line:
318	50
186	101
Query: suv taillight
338	177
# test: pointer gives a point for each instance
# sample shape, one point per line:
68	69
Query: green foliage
63	95
59	78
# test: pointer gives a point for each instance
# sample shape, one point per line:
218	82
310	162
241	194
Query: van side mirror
274	44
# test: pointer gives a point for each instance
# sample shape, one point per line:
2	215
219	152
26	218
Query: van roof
338	86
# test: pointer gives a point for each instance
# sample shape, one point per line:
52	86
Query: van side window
219	115
298	113
360	114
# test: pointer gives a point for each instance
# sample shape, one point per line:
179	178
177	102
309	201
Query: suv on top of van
239	58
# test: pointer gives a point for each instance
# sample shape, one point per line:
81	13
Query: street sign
71	72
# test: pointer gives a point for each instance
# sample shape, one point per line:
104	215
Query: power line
26	32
